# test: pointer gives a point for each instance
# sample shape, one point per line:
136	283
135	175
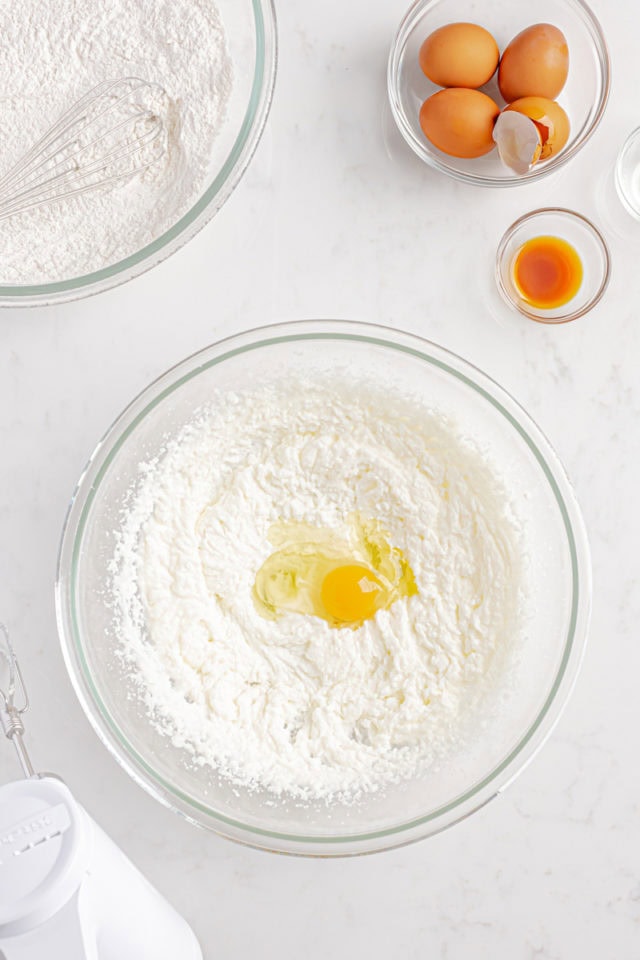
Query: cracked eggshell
550	120
518	140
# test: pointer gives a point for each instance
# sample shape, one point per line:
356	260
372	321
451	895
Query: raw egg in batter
343	578
350	593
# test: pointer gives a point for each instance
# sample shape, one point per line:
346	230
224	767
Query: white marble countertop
336	218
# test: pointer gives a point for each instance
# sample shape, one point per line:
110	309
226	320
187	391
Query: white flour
51	54
295	705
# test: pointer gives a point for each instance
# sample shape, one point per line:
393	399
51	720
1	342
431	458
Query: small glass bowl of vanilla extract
552	265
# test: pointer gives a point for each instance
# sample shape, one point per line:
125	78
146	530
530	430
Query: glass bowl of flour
215	61
222	645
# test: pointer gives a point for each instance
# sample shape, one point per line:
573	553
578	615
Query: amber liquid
547	272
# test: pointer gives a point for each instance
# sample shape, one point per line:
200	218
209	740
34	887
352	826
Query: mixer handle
63	937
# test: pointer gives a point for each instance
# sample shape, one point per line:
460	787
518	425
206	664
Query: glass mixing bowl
250	28
586	240
558	592
584	96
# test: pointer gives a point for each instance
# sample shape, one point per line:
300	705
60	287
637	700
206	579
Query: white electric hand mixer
66	891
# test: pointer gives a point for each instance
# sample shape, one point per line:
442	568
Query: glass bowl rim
210	201
591	228
537	173
629	142
67	570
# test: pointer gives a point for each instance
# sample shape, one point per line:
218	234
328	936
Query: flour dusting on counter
291	704
52	54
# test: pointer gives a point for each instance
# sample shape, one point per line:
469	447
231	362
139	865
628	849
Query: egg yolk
350	593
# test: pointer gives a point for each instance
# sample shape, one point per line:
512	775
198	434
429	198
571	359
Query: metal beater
12	686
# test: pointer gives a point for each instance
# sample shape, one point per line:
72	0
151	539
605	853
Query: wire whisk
14	701
112	133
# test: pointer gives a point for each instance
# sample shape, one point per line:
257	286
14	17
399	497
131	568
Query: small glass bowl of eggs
496	41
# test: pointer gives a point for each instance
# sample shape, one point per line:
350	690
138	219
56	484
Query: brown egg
459	55
535	64
550	119
459	121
